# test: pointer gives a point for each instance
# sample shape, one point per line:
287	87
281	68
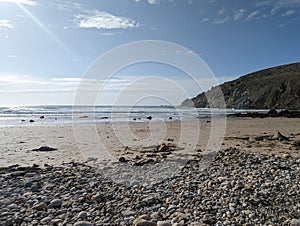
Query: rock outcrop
277	87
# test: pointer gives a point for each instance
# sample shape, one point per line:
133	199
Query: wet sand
112	141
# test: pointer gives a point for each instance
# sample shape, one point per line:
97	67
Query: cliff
277	87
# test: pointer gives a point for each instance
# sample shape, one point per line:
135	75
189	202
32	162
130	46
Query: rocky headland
272	88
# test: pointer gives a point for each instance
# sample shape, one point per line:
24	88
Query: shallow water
58	114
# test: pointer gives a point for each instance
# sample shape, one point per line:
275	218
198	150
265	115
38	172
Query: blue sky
46	46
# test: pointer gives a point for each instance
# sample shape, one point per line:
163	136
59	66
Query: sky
47	46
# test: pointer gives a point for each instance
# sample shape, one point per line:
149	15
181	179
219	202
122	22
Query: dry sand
81	142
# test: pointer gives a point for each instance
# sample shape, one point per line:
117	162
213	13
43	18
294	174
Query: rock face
277	87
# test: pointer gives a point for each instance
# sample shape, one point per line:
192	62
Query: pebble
295	222
39	206
83	223
45	220
82	215
128	213
56	203
237	188
163	223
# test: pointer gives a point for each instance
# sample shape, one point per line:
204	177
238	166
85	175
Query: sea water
60	114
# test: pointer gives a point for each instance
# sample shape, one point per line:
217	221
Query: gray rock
163	223
83	223
82	215
128	213
56	203
46	220
142	222
295	222
34	188
40	206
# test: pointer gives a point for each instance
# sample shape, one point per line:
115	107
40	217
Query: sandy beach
140	178
81	143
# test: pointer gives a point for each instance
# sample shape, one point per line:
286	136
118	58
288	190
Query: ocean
59	114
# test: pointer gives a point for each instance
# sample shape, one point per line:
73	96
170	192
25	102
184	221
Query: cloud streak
104	20
6	24
25	2
255	10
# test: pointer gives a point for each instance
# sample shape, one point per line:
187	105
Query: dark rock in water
149	117
272	113
84	116
42	116
104	117
170	118
31	120
134	119
23	120
45	148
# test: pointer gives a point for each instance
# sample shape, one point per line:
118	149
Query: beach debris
31	120
45	149
143	162
280	137
149	117
123	159
140	221
297	144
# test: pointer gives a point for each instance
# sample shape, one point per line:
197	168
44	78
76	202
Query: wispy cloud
239	14
68	6
220	20
25	2
254	11
289	12
13	56
6	24
253	15
104	20
152	2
